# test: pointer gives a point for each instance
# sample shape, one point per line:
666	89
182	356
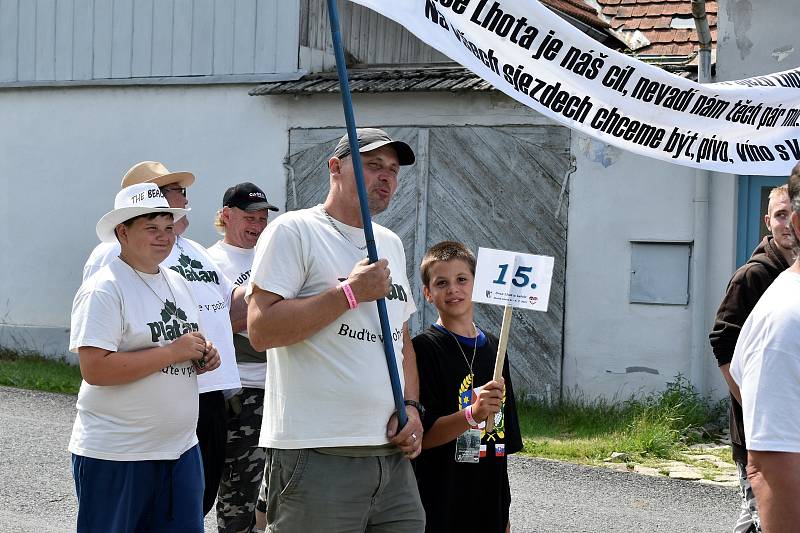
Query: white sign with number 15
511	278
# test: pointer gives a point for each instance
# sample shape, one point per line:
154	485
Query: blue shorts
140	496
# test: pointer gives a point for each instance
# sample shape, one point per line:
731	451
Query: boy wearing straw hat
453	356
137	332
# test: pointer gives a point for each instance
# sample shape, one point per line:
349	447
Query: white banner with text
748	126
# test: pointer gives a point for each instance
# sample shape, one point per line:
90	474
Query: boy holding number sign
454	356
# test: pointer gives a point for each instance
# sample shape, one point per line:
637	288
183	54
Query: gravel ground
37	494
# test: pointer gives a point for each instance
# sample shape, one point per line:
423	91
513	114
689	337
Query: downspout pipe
700	251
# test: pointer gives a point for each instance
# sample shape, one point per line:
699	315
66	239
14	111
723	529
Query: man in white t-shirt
241	220
766	367
222	311
334	460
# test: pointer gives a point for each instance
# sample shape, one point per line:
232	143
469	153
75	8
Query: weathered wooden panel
244	36
161	63
122	36
202	45
182	38
27	41
64	39
73	40
223	37
45	39
266	42
286	40
493	187
142	55
8	39
82	40
368	37
103	39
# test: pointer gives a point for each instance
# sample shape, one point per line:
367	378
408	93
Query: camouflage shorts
748	521
244	463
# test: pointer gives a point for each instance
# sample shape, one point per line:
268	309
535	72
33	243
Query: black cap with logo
372	139
247	197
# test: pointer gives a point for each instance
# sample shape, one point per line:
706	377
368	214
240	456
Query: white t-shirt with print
236	263
333	388
155	417
766	366
212	292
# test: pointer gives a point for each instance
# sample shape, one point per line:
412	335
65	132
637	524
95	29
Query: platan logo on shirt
192	270
172	325
465	400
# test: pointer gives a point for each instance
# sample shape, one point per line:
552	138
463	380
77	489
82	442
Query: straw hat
138	199
155	172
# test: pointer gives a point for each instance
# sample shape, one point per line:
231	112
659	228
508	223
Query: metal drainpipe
699	338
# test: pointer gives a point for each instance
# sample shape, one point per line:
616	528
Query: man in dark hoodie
771	257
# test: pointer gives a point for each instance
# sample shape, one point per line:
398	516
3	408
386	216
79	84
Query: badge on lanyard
468	446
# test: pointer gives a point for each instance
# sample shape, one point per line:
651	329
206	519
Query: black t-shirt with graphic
461	496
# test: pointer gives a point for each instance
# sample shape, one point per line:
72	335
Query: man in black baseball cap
241	220
247	197
371	139
243	216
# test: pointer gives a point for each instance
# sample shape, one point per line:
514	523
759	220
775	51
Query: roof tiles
375	79
655	19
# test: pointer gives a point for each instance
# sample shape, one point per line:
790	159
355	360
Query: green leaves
188	262
171	309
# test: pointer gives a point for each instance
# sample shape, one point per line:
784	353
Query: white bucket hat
132	201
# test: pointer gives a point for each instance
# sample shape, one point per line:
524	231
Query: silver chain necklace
149	286
345	237
474	350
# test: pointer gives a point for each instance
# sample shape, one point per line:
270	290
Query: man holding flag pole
334	460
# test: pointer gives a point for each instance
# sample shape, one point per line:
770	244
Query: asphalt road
37	494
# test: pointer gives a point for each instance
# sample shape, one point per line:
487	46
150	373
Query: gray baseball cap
371	139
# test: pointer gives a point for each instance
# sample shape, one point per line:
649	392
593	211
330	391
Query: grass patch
655	426
30	371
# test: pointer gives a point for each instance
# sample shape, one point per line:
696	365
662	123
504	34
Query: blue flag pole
366	218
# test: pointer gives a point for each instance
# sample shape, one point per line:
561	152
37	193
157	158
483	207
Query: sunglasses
165	190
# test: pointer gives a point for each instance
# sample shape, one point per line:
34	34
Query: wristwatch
418	406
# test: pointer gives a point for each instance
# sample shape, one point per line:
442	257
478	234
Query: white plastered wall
63	152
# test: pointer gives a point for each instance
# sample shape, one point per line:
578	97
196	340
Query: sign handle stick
501	355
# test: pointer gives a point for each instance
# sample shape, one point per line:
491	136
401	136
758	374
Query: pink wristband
348	293
468	415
